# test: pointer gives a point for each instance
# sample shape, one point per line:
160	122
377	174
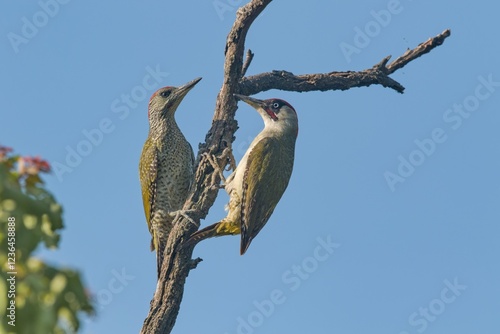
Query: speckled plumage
261	177
166	166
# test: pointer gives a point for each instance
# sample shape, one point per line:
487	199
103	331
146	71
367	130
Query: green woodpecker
166	167
261	177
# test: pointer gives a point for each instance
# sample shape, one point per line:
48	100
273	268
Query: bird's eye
165	93
276	105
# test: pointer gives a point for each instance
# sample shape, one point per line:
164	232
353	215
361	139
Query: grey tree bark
178	261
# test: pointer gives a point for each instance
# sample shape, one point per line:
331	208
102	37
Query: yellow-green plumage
148	165
259	181
166	166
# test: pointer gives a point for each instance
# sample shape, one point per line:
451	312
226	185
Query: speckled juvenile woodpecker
166	167
261	177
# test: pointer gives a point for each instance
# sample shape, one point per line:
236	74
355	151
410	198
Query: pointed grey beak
256	103
260	105
183	90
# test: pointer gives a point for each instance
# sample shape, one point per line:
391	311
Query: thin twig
248	60
420	50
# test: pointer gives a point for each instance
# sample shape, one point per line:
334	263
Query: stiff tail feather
245	241
160	248
204	233
224	227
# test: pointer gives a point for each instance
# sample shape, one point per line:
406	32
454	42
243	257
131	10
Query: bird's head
276	113
164	102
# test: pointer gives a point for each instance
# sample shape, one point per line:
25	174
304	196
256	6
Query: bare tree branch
420	50
377	75
178	261
284	80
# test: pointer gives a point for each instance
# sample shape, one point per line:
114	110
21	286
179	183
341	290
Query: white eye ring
276	105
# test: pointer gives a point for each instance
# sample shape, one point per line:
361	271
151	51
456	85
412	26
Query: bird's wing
149	169
193	163
268	170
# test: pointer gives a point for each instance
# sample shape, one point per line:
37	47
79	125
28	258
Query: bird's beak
257	104
180	93
183	90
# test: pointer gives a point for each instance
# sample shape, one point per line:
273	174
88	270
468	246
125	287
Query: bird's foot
216	165
227	154
212	159
183	213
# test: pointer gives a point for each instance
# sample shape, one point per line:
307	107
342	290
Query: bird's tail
245	242
204	233
224	227
160	248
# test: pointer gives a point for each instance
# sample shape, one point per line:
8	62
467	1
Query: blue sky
346	251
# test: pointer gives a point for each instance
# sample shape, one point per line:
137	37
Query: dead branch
420	50
284	80
377	75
